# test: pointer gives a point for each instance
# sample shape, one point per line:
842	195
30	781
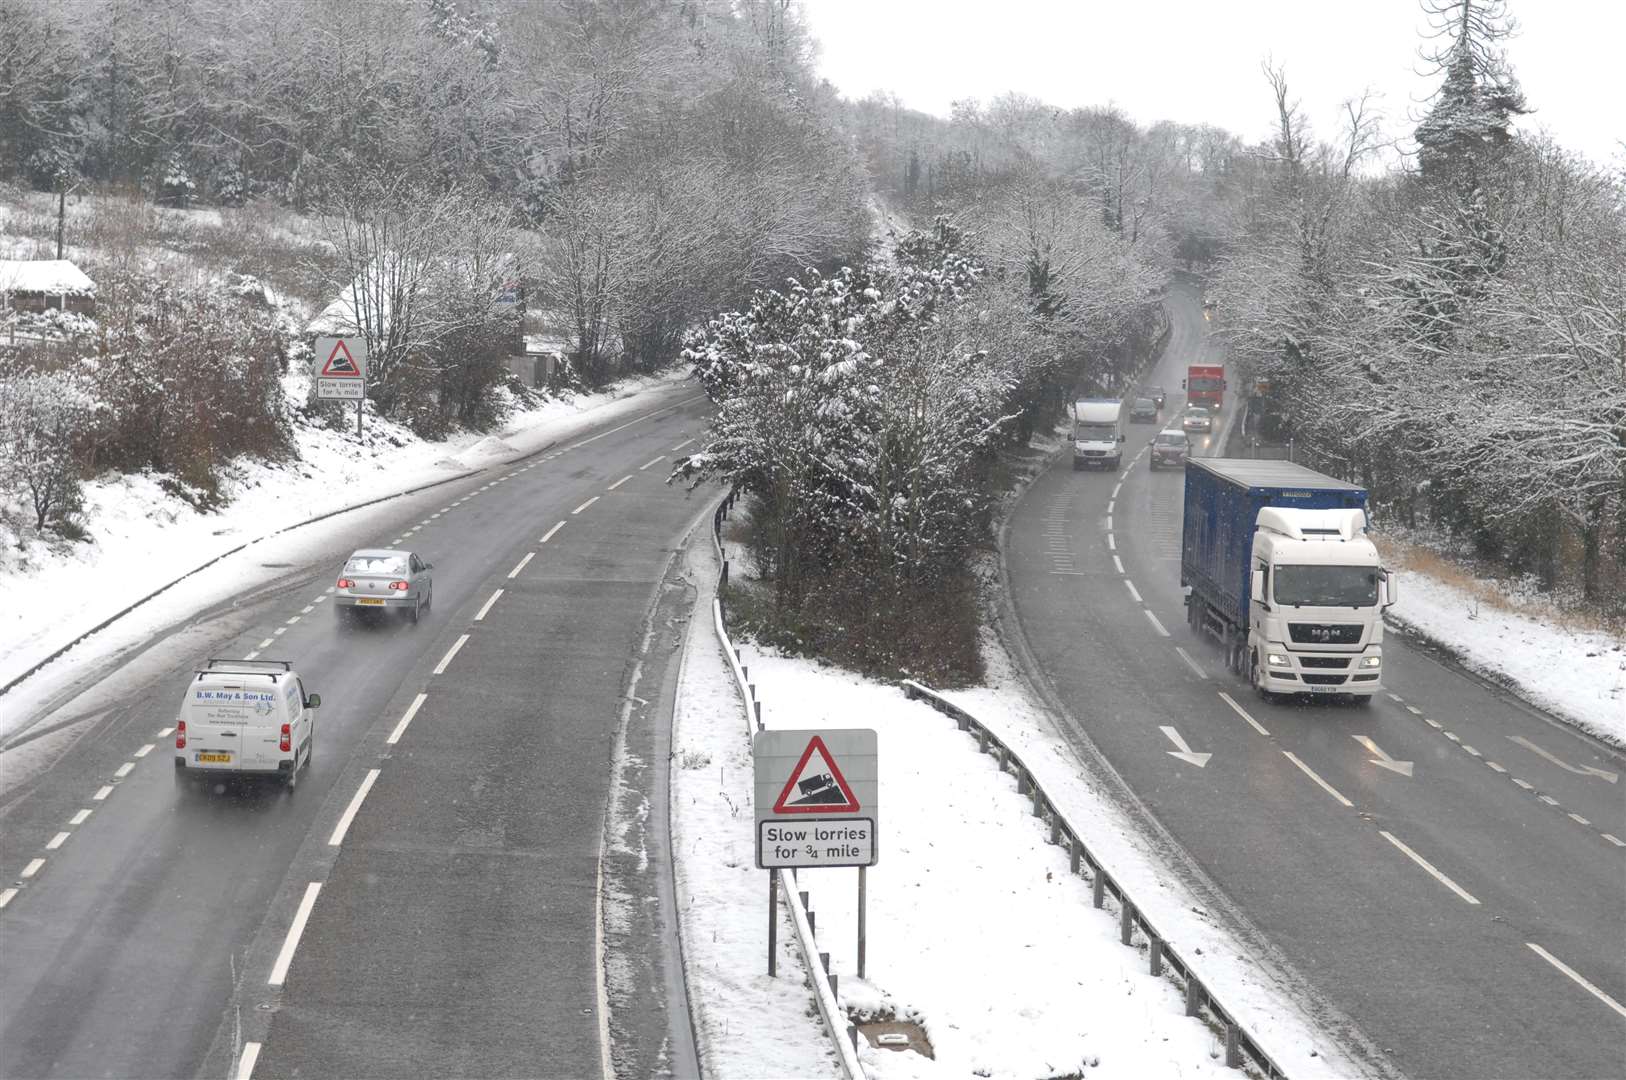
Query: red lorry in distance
1205	385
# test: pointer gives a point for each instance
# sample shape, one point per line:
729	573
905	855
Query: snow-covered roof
54	277
338	318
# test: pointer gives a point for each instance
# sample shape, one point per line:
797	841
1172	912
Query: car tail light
180	735
346	583
399	585
287	739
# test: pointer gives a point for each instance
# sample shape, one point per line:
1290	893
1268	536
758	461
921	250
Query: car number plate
214	759
1323	689
370	600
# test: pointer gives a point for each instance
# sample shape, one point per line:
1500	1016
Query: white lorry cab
1098	433
245	718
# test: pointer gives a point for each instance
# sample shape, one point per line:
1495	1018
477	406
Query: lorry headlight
1277	660
1371	661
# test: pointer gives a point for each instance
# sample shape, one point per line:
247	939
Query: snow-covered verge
143	534
976	929
1579	675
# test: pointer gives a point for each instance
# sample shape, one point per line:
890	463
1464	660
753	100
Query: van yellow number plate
370	600
215	759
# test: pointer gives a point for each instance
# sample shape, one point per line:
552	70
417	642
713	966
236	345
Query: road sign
816	797
341	368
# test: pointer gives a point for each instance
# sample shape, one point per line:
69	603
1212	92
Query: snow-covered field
1575	674
143	537
976	929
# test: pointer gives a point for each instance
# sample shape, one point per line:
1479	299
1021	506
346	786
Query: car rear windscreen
379	566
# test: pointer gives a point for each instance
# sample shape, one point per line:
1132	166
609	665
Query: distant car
1197	418
1156	393
1169	448
385	579
1143	411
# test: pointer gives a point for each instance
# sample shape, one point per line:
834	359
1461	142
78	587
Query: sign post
341	371
817	805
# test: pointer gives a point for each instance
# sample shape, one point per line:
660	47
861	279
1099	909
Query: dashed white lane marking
255	655
350	811
79	818
5	897
307	609
266	644
164	733
245	1066
123	770
440	668
398	541
1495	766
647	464
1153	620
103	792
33	868
1130	585
279	970
279	631
295	619
1414	710
332	588
1435	724
1112	542
585	505
1192	664
514	573
1470	750
681	445
1313	775
1070	573
1396	698
549	534
619	482
1109	521
57	841
1548	799
1119	563
481	614
1453	736
147	749
1527	785
1578	819
1240	711
1578	977
1115	488
319	600
1615	840
406	718
422	523
1110	504
1464	894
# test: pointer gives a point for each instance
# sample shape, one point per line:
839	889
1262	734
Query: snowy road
427	900
1444	869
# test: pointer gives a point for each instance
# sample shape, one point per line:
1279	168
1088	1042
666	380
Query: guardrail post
1194	995
824	959
1157	956
909	691
835	982
1073	853
758	704
1233	1047
1100	891
1126	923
962	723
1023	781
1038	799
724	582
1055	829
982	740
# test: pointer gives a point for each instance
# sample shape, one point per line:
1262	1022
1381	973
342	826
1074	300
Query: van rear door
233	724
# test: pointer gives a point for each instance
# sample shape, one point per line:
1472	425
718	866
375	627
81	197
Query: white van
1097	434
248	718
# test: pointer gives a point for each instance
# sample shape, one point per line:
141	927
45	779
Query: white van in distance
245	718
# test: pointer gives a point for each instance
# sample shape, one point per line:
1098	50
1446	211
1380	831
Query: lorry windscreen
1204	383
1326	586
1095	433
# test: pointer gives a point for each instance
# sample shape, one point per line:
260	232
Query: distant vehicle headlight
1371	661
1278	660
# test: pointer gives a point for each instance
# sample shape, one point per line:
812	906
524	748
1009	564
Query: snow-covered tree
43	412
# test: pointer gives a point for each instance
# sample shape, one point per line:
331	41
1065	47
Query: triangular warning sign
816	785
340	364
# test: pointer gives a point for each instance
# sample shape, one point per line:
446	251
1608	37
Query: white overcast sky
1198	62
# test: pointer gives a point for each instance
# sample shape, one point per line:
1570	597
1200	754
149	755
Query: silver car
385	578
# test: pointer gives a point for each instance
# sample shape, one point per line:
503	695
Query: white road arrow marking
1184	753
1580	770
1383	760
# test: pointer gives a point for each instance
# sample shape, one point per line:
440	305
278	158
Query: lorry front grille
1324	633
1325	661
1323	680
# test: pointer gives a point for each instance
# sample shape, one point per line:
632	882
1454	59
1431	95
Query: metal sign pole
773	922
358	411
862	937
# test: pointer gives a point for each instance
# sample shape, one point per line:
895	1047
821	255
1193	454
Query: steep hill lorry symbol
818	790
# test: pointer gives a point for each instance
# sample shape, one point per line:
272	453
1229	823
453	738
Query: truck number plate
1323	689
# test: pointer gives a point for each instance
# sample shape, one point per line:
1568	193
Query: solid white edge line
1311	773
1130	585
350	811
440	668
585	505
1196	667
279	970
619	482
1153	620
103	792
549	534
79	818
1578	977
481	614
514	573
57	841
245	1065
5	897
1426	865
647	464
33	868
406	718
1119	563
